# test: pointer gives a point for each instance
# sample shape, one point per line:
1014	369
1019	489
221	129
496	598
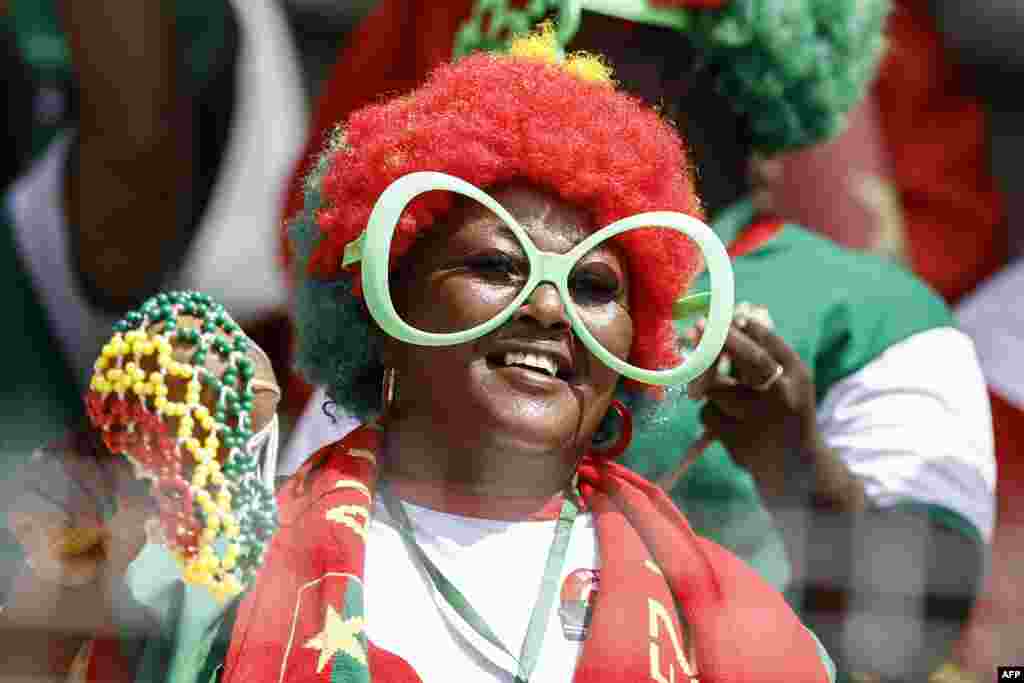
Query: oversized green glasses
508	284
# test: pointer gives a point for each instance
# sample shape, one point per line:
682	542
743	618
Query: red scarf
303	620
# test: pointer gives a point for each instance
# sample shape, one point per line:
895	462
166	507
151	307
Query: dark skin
501	431
60	600
774	433
135	146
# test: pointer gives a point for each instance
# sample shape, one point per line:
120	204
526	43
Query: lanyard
530	650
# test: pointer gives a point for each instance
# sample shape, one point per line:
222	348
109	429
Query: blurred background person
927	173
160	131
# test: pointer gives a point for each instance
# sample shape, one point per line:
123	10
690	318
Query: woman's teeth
532	360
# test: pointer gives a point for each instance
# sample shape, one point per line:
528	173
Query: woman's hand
764	412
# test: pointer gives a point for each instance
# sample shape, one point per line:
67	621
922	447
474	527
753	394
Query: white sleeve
994	319
313	431
915	425
36	204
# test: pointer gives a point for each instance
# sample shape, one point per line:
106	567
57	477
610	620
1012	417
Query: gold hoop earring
387	391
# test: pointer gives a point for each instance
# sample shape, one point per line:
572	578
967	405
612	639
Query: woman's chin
525	415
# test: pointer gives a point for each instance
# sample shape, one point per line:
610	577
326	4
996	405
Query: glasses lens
460	275
602	287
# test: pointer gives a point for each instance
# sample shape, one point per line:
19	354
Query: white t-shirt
914	424
497	566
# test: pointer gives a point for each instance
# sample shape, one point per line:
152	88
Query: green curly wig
793	68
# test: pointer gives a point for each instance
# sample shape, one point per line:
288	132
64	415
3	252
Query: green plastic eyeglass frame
373	248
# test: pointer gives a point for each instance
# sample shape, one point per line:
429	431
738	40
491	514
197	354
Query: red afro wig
490	119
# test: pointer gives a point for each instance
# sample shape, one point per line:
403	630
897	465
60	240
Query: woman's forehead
545	217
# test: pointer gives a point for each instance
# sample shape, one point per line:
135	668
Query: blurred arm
134	160
889	588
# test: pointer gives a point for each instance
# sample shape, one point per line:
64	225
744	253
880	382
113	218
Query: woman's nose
545	306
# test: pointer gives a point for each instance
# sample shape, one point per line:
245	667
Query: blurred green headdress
794	68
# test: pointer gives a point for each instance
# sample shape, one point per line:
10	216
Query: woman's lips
528	380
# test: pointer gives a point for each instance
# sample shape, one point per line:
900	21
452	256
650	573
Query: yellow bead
201	412
218	479
210	535
160	403
161	389
101	364
212	442
203	497
140	388
207	423
164	360
115	374
228	563
232	531
156	378
233	550
213	522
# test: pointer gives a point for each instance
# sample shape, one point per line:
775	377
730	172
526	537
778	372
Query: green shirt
839	310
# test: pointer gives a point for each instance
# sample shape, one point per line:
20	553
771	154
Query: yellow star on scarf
338	635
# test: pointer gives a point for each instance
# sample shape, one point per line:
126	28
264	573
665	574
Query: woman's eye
494	266
594	288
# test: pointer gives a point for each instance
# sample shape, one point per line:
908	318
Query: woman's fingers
773	344
753	364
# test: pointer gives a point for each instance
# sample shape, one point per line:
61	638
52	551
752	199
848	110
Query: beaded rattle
215	511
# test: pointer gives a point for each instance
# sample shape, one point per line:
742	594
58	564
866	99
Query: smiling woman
527	389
